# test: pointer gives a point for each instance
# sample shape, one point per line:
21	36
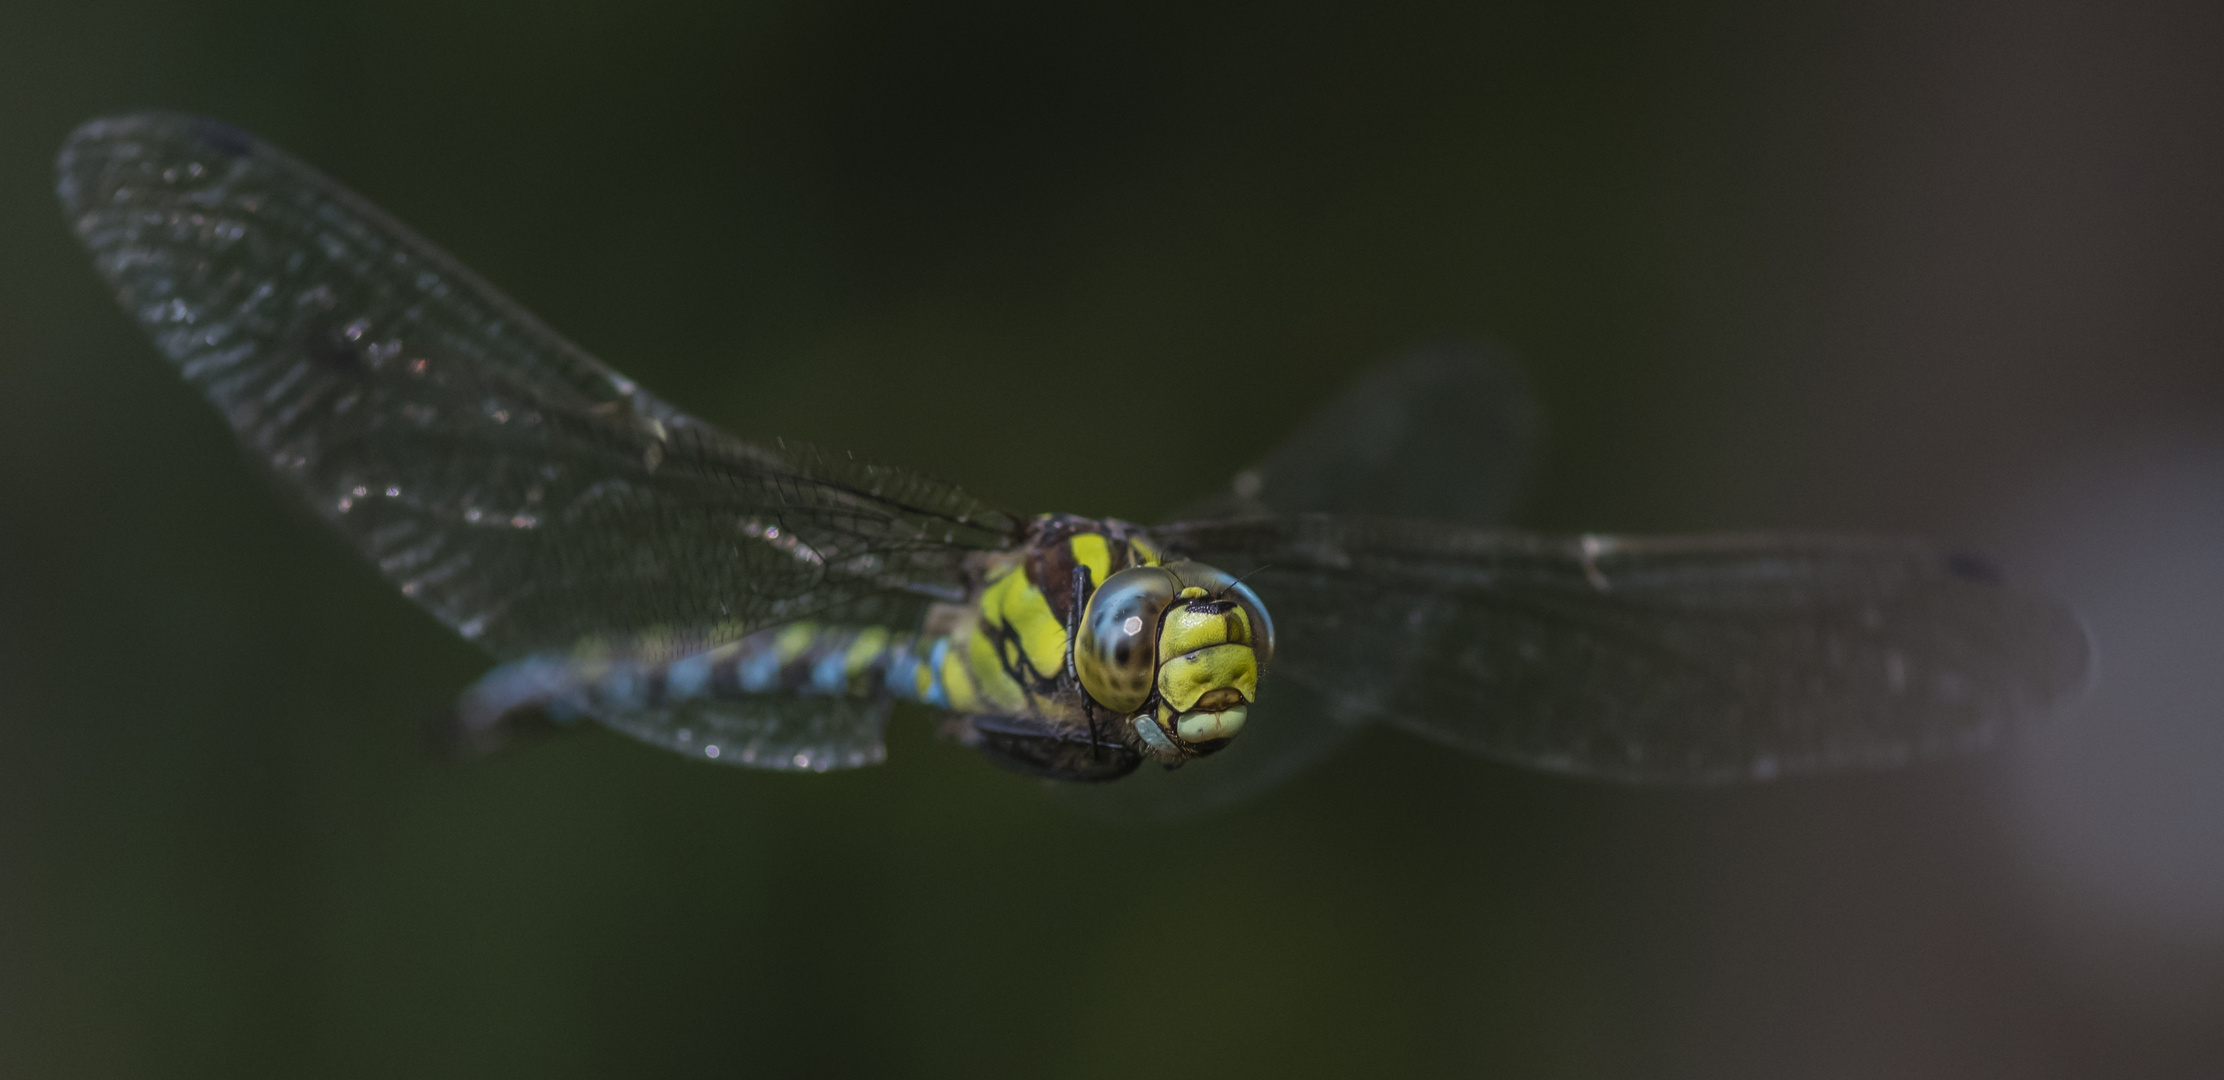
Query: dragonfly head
1178	648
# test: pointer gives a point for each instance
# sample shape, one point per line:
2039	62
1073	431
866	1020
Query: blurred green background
1879	267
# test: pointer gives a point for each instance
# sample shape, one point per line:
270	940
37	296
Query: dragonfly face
1178	649
763	603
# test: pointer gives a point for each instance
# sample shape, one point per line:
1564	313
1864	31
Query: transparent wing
768	732
529	697
1680	660
1446	431
511	484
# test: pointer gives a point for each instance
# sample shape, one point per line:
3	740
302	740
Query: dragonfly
767	603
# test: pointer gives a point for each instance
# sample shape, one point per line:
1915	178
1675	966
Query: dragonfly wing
1445	433
525	698
517	488
1675	660
769	732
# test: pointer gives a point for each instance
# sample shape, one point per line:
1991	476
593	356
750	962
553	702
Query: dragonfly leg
1033	748
1073	675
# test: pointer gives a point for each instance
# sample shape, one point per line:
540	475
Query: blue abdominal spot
831	674
761	672
687	678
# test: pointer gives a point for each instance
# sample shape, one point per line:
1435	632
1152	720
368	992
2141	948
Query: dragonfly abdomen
800	659
815	659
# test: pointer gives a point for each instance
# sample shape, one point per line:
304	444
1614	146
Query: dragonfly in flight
765	603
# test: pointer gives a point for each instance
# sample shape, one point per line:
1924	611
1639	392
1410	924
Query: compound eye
1262	624
1117	656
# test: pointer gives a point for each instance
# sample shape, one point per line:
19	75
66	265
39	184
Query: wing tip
162	124
2072	660
92	154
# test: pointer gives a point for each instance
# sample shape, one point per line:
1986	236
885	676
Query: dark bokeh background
1944	268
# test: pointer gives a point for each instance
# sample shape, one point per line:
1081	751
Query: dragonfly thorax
1178	649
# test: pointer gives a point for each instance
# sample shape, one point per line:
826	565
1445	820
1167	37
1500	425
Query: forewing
1683	660
517	488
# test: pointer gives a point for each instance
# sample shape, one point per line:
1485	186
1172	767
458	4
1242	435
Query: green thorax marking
1019	637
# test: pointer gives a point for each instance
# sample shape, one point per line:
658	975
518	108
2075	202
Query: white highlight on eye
1133	625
